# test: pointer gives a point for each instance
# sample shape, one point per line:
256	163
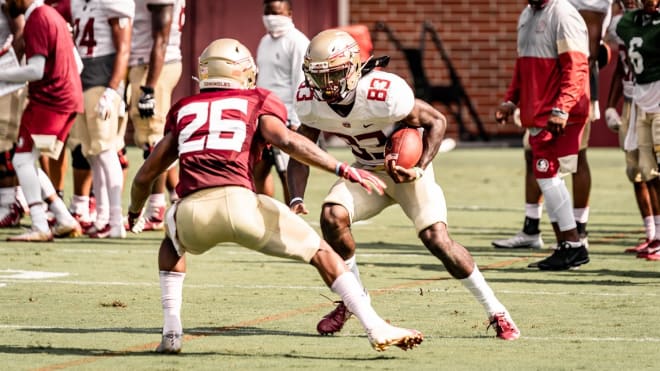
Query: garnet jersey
381	100
142	40
217	136
91	28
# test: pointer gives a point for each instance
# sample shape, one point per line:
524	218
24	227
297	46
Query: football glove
7	45
147	102
104	107
367	180
612	119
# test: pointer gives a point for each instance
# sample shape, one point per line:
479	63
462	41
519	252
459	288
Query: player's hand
504	111
147	102
367	180
7	45
298	207
135	222
104	107
556	125
401	174
612	119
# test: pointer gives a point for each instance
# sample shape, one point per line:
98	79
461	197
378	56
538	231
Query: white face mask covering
277	25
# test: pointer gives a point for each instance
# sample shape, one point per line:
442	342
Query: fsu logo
542	165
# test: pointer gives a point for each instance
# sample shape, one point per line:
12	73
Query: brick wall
479	37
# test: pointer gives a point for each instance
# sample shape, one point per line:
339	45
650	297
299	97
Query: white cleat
387	335
521	240
67	229
32	235
170	344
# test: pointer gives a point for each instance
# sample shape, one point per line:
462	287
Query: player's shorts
648	138
236	214
423	200
44	129
633	171
11	110
601	6
149	131
93	133
552	156
584	141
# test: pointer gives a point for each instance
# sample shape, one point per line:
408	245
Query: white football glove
612	119
106	103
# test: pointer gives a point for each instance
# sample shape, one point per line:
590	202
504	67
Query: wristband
338	168
294	200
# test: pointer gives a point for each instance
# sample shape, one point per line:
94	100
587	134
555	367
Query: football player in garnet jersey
217	136
102	34
363	107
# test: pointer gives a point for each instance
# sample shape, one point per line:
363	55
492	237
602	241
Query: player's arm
162	156
16	26
32	71
511	98
161	22
121	39
434	124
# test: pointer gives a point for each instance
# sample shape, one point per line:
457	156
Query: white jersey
142	40
91	28
381	100
601	6
280	63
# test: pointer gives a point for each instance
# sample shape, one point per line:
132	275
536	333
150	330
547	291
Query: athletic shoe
564	258
170	344
32	235
85	224
504	326
387	335
652	248
13	217
69	229
519	241
654	256
155	221
108	232
335	320
639	248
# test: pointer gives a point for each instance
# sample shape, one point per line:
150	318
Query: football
404	146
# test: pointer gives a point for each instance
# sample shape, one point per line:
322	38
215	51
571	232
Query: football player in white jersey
11	107
363	108
102	34
155	69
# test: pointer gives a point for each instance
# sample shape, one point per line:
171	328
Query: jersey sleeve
118	8
272	105
400	98
37	40
573	51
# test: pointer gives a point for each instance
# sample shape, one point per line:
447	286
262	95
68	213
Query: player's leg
11	211
554	156
652	120
582	187
263	180
82	174
530	235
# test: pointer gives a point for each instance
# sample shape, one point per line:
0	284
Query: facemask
277	25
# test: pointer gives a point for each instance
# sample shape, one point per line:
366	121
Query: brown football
404	146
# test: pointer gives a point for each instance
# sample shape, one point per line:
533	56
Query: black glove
147	102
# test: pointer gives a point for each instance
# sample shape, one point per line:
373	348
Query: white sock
649	227
46	185
476	284
581	214
99	183
356	300
351	263
7	196
171	288
58	207
156	200
113	179
656	220
80	206
28	177
534	211
558	202
20	197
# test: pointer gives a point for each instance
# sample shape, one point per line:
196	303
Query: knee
436	239
334	218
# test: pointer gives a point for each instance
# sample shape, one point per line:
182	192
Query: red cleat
652	248
13	217
335	320
642	246
504	326
655	256
155	220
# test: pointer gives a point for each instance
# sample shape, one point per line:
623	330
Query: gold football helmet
227	64
332	65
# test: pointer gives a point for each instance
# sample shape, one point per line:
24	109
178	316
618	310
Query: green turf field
84	304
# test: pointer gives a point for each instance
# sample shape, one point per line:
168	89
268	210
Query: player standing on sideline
155	69
218	202
55	97
364	107
640	32
555	116
279	57
102	33
622	86
11	108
